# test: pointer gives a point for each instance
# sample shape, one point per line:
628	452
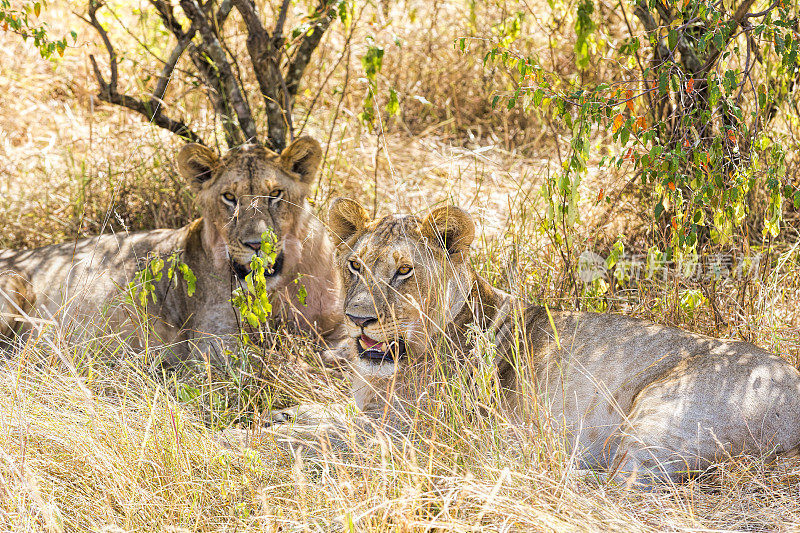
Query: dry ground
90	446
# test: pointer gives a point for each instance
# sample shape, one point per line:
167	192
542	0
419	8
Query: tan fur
647	402
75	282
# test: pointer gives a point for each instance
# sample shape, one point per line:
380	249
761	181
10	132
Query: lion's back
85	273
610	359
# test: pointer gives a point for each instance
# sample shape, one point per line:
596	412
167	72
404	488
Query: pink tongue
369	343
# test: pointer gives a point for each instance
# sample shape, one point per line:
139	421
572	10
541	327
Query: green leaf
719	40
659	210
302	293
584	27
538	96
624	135
372	60
345	15
251	318
156	266
189	277
393	106
186	393
663	83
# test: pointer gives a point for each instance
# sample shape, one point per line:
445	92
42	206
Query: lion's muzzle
275	269
378	352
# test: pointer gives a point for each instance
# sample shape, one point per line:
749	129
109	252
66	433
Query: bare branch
94	5
153	115
642	12
765	12
281	22
216	93
169	67
109	90
167	15
264	52
294	73
277	73
204	66
220	62
206	70
222	14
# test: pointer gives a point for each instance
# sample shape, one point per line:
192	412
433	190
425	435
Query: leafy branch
20	22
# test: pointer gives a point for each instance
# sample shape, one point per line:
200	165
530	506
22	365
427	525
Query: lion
241	196
642	402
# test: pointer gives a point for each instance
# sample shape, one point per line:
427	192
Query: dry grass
88	445
98	448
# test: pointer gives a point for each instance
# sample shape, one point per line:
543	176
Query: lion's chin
372	370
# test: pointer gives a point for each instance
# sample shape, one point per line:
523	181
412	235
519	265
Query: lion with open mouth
646	402
242	196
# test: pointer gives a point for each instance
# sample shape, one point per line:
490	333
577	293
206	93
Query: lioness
240	197
647	402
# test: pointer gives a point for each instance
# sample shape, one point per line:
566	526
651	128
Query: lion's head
248	191
404	280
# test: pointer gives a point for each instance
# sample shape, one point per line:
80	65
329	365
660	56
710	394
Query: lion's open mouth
243	270
380	352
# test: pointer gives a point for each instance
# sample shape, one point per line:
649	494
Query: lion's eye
275	195
404	270
229	198
355	265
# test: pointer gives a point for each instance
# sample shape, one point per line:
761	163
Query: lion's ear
450	227
196	163
302	157
346	217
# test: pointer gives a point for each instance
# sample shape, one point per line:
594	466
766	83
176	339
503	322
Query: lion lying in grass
240	196
643	401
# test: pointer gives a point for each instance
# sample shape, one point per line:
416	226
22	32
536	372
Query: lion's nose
254	245
361	321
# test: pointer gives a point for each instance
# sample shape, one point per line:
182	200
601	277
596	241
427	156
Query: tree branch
205	68
169	67
298	65
167	15
278	33
738	18
220	63
152	110
159	119
263	52
94	5
277	73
